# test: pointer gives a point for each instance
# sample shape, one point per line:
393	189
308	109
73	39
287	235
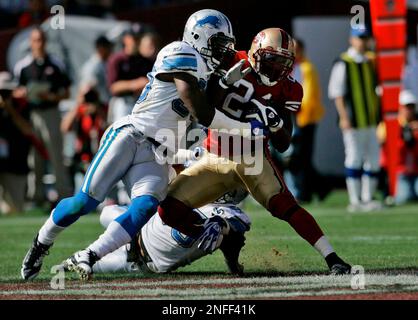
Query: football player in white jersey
175	93
158	248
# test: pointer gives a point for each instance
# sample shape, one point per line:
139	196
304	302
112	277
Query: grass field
277	262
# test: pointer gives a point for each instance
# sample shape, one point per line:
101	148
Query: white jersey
159	110
169	249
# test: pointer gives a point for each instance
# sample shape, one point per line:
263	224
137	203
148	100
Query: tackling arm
196	101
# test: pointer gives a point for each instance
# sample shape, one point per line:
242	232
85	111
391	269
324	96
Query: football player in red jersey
258	86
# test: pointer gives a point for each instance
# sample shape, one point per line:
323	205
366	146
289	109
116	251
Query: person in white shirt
352	86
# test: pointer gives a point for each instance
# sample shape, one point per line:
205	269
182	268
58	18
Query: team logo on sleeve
209	20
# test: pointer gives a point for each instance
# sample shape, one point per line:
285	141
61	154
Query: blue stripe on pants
99	156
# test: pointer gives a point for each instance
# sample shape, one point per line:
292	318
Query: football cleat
82	263
32	262
214	230
337	266
340	269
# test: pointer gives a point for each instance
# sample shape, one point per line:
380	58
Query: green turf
377	240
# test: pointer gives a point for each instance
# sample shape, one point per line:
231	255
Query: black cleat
340	269
337	266
32	263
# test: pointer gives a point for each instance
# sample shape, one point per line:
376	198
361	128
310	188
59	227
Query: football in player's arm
270	61
281	135
173	93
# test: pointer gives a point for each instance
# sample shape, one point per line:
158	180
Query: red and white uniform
287	93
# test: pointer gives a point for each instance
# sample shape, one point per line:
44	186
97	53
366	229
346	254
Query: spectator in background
306	179
14	148
150	45
407	169
43	83
88	121
93	72
352	86
126	75
36	13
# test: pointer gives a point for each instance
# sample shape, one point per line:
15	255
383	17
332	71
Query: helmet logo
210	21
259	37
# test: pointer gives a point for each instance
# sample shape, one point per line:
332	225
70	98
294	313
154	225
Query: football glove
234	74
266	115
212	236
258	128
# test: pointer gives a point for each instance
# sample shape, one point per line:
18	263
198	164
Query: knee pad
283	205
70	209
139	212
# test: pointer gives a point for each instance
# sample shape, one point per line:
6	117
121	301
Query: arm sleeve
337	86
179	62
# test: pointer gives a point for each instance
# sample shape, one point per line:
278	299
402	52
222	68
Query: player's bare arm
193	97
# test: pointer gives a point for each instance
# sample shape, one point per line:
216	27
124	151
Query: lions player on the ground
175	93
160	248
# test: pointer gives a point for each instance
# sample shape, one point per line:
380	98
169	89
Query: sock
369	186
114	262
354	189
284	206
323	246
113	238
305	225
49	231
140	210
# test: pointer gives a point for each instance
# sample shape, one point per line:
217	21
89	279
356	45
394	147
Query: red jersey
408	157
287	93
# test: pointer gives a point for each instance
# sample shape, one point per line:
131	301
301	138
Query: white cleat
82	263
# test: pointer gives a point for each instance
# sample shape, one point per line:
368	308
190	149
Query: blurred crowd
23	13
32	128
34	172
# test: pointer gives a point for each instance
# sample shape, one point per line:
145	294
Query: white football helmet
210	33
272	55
